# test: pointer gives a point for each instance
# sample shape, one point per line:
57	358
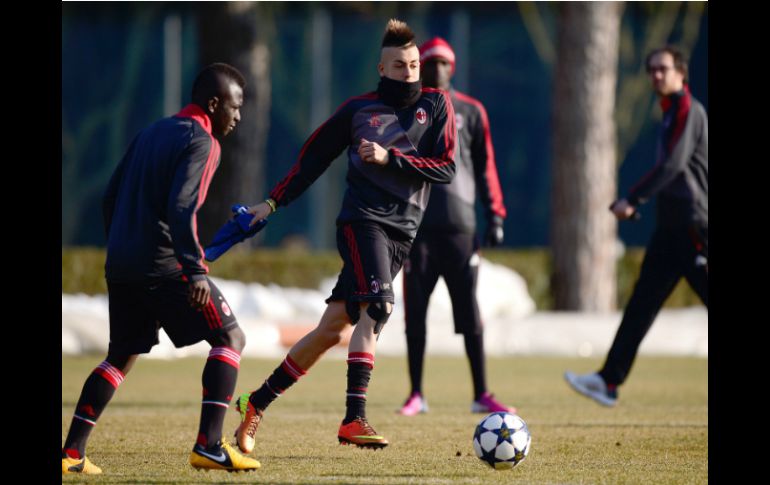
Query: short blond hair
398	34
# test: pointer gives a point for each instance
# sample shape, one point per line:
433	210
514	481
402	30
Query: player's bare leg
303	355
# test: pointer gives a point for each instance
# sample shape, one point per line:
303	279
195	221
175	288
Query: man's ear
381	69
212	104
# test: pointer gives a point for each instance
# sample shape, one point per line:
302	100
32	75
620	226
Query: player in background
155	272
679	245
447	244
400	139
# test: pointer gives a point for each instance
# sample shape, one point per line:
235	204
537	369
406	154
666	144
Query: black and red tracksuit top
151	202
452	207
420	140
680	175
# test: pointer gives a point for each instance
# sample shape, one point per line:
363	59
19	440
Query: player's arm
487	181
319	151
673	163
192	177
439	167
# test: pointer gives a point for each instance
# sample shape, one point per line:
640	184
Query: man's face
400	64
226	110
665	78
436	73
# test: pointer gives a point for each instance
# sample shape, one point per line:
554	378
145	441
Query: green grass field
657	434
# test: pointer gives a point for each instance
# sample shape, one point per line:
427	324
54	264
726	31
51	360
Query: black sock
218	379
415	347
281	379
360	365
474	347
97	392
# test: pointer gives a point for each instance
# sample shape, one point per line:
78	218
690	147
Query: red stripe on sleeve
280	189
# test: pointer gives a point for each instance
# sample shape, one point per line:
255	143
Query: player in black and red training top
679	246
155	272
446	244
399	140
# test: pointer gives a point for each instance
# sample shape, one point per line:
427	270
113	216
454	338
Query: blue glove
234	231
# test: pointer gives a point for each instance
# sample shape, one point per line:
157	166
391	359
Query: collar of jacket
398	93
196	112
667	102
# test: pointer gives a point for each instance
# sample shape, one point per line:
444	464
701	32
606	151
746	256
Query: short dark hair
398	34
208	83
680	61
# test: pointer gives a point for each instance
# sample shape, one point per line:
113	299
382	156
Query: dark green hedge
83	271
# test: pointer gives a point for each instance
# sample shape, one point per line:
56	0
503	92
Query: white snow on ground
512	327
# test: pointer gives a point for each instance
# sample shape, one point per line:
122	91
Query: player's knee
415	332
353	309
329	336
379	312
233	338
122	362
237	339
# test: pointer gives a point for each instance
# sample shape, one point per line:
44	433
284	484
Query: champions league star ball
501	440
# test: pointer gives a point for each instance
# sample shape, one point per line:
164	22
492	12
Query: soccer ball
501	440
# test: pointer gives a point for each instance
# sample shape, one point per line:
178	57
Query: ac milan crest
226	309
375	286
421	116
374	121
459	121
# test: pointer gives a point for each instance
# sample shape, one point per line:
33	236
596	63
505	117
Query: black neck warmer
397	93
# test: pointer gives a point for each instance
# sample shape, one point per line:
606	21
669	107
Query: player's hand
494	234
199	294
371	152
622	209
259	211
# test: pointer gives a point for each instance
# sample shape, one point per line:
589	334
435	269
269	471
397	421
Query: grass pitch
657	434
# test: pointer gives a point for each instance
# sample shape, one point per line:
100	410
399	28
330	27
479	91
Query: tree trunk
238	34
583	230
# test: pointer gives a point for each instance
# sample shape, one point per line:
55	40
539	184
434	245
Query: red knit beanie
437	47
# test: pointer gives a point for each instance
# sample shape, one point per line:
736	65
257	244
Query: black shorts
455	257
138	311
372	257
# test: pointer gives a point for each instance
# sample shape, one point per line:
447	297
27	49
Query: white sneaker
593	386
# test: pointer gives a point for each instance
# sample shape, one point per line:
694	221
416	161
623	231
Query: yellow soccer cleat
83	465
222	457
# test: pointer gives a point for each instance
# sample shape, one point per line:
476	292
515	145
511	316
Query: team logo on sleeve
375	286
421	116
459	121
226	309
375	121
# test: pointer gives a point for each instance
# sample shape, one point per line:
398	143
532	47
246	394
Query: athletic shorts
372	256
139	310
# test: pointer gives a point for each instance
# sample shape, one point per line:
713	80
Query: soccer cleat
245	433
358	432
593	386
488	404
83	465
415	404
222	456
